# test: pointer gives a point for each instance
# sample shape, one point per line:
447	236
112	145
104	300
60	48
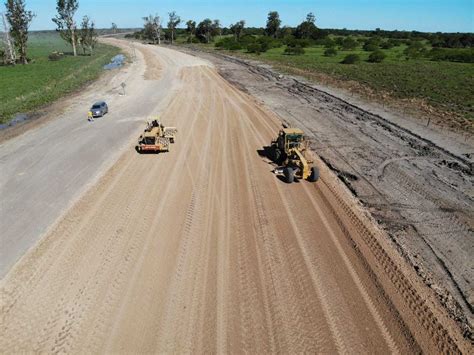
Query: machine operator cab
290	138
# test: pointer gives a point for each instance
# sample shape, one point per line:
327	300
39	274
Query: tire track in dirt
371	307
341	327
291	314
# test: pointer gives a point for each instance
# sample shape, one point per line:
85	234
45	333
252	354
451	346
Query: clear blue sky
421	15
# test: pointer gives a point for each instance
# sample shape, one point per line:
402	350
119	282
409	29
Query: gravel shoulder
416	181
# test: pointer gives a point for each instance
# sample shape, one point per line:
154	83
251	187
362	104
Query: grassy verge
444	86
26	87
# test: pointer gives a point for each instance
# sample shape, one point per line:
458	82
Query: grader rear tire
289	175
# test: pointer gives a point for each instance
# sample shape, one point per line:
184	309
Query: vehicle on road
156	138
288	150
99	109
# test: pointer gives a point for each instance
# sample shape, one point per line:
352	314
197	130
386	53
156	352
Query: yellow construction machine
156	137
288	150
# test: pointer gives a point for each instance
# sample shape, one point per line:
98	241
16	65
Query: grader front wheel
314	175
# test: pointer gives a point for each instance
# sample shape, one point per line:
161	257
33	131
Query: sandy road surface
203	249
417	181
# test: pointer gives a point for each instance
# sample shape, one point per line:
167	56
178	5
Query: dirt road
203	249
417	181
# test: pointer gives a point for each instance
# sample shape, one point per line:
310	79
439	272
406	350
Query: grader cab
288	150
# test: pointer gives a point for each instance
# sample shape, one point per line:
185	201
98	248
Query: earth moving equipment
289	151
156	137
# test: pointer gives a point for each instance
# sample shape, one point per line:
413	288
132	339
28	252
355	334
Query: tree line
446	46
207	29
17	19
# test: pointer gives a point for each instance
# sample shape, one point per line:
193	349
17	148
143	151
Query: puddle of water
20	117
116	62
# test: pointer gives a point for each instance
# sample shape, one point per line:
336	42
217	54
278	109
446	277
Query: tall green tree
152	28
216	28
205	29
64	20
174	21
191	29
19	19
307	28
237	29
114	28
87	35
273	24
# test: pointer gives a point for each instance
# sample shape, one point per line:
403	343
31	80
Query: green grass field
445	85
26	87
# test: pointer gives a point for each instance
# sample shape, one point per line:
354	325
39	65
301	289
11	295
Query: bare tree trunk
73	40
23	58
10	55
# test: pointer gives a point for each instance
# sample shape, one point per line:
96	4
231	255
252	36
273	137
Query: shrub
296	50
272	42
288	39
416	49
245	40
376	40
377	56
330	52
351	59
261	45
370	47
386	45
193	40
328	43
55	56
265	43
303	43
349	44
452	55
394	42
254	48
228	43
339	41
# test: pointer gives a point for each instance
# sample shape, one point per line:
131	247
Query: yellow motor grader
288	151
156	138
